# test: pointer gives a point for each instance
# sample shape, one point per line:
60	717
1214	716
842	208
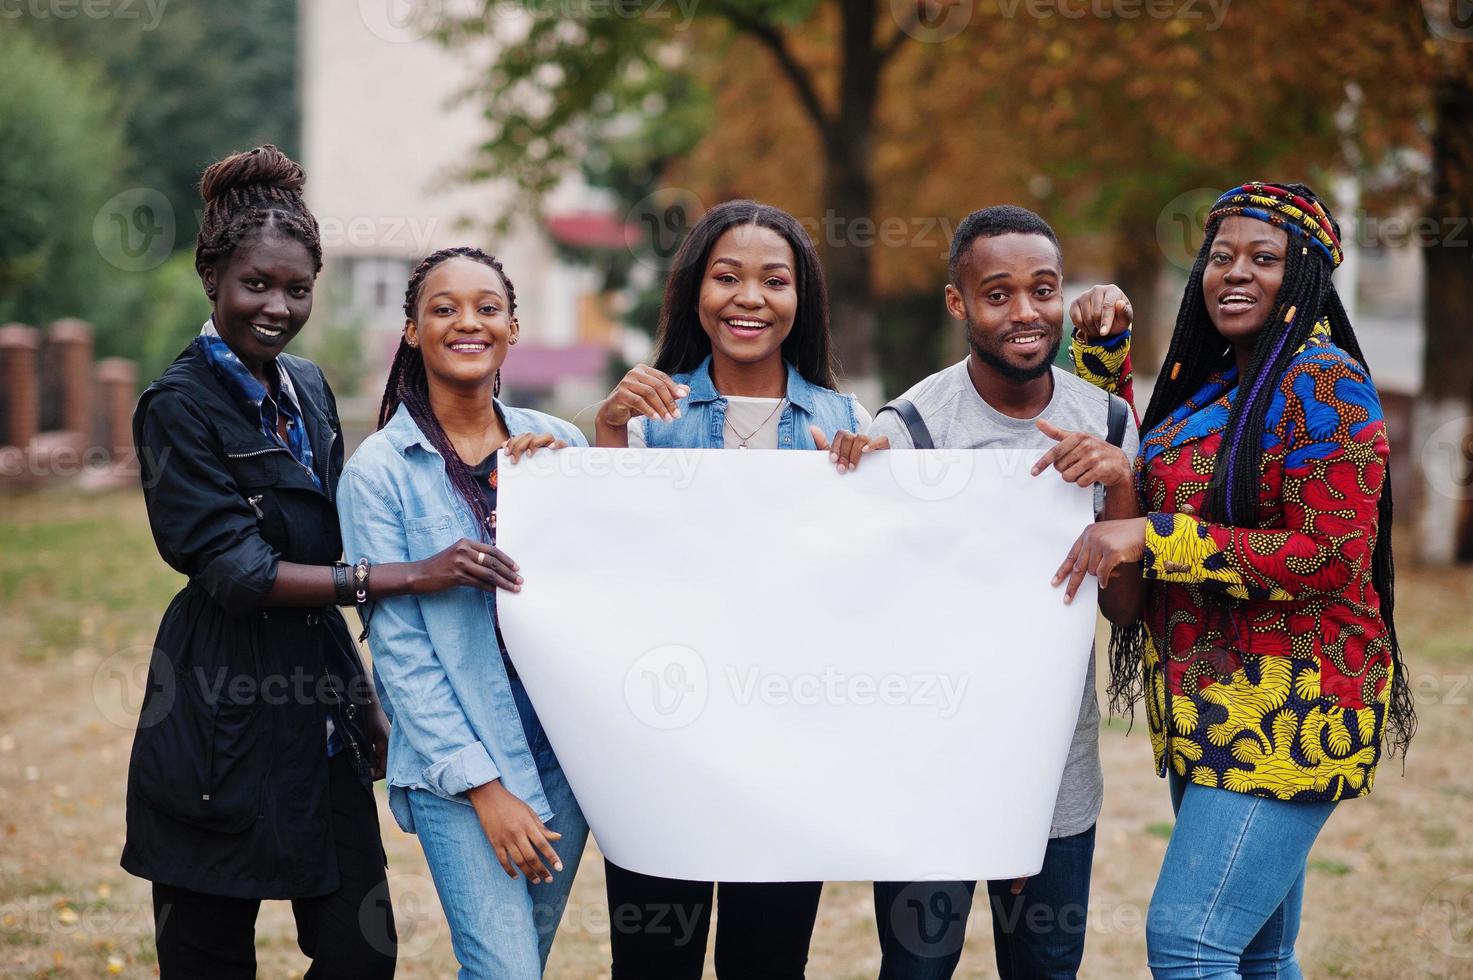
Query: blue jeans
500	927
1232	884
1037	934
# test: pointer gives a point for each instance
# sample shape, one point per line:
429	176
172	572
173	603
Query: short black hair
1000	219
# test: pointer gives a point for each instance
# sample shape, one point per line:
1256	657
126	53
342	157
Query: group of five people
1241	544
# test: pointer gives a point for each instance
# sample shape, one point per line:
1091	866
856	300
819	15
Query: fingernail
558	866
833	457
677	413
520	579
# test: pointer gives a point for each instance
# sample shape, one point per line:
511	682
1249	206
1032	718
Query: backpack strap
920	436
1115	427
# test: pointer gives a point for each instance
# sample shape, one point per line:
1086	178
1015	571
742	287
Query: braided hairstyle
409	386
1306	297
247	193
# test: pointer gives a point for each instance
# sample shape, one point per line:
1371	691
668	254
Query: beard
996	358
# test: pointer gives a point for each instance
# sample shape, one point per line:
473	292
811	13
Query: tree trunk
849	239
1442	449
1138	265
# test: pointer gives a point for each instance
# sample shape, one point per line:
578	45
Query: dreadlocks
408	386
1306	297
244	194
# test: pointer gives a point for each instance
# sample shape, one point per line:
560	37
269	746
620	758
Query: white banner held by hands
755	668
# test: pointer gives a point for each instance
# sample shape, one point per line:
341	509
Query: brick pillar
117	384
70	344
19	348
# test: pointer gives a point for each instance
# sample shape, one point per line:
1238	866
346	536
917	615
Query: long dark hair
681	344
1197	350
409	387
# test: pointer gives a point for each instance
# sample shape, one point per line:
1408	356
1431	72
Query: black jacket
228	781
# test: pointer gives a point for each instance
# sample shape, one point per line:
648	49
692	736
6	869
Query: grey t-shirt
958	418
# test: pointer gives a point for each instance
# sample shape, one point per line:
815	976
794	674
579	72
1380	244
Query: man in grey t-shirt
1006	273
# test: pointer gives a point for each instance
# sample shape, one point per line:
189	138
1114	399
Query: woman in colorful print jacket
1266	641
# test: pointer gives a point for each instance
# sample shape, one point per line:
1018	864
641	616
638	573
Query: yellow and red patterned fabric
1267	665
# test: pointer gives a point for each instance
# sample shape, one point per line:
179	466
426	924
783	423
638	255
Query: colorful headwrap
1283	209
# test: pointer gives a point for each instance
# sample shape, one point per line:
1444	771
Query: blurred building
383	138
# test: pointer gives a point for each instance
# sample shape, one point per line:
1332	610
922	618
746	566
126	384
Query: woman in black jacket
259	735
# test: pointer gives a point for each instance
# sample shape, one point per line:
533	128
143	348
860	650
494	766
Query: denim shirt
702	421
436	663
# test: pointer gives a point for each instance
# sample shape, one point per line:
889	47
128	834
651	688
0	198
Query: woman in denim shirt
743	361
470	769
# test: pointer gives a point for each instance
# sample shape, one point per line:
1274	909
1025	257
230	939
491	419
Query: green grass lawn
81	591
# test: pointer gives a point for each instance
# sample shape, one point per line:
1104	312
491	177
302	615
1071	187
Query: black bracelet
342	588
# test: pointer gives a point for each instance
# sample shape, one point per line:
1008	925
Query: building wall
382	138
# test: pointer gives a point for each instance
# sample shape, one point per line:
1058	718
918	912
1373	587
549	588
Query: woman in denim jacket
470	769
743	361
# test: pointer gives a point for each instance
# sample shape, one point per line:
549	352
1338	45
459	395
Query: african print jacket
1267	664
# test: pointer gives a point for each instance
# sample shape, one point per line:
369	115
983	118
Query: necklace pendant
742	444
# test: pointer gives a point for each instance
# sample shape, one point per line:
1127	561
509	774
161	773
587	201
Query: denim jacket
436	662
702	419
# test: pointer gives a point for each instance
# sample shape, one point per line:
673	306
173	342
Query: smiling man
1006	272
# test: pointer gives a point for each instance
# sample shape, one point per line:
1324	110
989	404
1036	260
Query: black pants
348	934
660	927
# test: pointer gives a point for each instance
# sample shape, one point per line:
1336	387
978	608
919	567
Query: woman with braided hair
1266	647
259	735
471	771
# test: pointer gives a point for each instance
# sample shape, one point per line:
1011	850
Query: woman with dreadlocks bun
1268	653
259	735
470	769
